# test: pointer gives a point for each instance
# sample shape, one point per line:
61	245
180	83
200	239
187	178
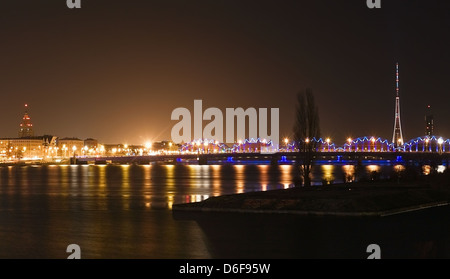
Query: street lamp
399	142
349	141
148	145
206	146
440	142
328	143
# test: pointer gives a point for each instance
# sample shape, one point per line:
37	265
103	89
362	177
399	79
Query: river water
123	211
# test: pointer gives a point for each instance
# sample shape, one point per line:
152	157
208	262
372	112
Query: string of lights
365	143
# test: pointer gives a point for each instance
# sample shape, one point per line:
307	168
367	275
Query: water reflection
441	169
286	175
427	169
349	173
217	178
399	168
121	211
240	178
264	176
327	176
128	187
373	168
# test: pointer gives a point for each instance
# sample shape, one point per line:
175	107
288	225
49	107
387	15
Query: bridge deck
279	157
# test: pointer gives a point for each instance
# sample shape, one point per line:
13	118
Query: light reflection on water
373	168
349	172
327	173
161	186
96	205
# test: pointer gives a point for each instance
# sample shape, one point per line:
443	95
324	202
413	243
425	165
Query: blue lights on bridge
361	144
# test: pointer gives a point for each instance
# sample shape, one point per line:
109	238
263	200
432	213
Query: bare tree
306	131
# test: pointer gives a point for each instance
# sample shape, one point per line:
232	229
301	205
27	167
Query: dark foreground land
370	198
406	219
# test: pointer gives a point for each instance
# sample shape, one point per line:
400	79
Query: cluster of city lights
420	144
428	144
209	146
206	146
200	146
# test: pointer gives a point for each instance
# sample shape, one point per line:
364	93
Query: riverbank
372	198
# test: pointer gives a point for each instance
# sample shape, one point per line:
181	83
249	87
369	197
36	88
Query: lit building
91	143
39	148
429	128
26	127
70	147
164	146
136	149
91	147
43	148
122	150
202	146
27	146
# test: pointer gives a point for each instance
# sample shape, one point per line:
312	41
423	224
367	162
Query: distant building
121	150
26	127
27	146
162	145
91	143
136	149
69	147
44	148
41	147
429	128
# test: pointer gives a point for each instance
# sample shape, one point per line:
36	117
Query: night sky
114	70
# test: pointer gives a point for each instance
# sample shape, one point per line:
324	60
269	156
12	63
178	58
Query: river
124	211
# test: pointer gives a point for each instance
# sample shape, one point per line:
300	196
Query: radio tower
397	138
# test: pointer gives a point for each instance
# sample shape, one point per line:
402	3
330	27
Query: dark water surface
125	212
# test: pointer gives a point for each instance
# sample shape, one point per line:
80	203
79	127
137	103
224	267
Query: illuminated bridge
362	144
203	151
373	144
426	150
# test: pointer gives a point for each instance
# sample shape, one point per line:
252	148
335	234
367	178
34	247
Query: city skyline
428	125
117	77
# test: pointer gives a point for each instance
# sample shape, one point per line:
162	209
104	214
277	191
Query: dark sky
114	70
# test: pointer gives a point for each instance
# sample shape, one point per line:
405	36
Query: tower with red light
26	127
